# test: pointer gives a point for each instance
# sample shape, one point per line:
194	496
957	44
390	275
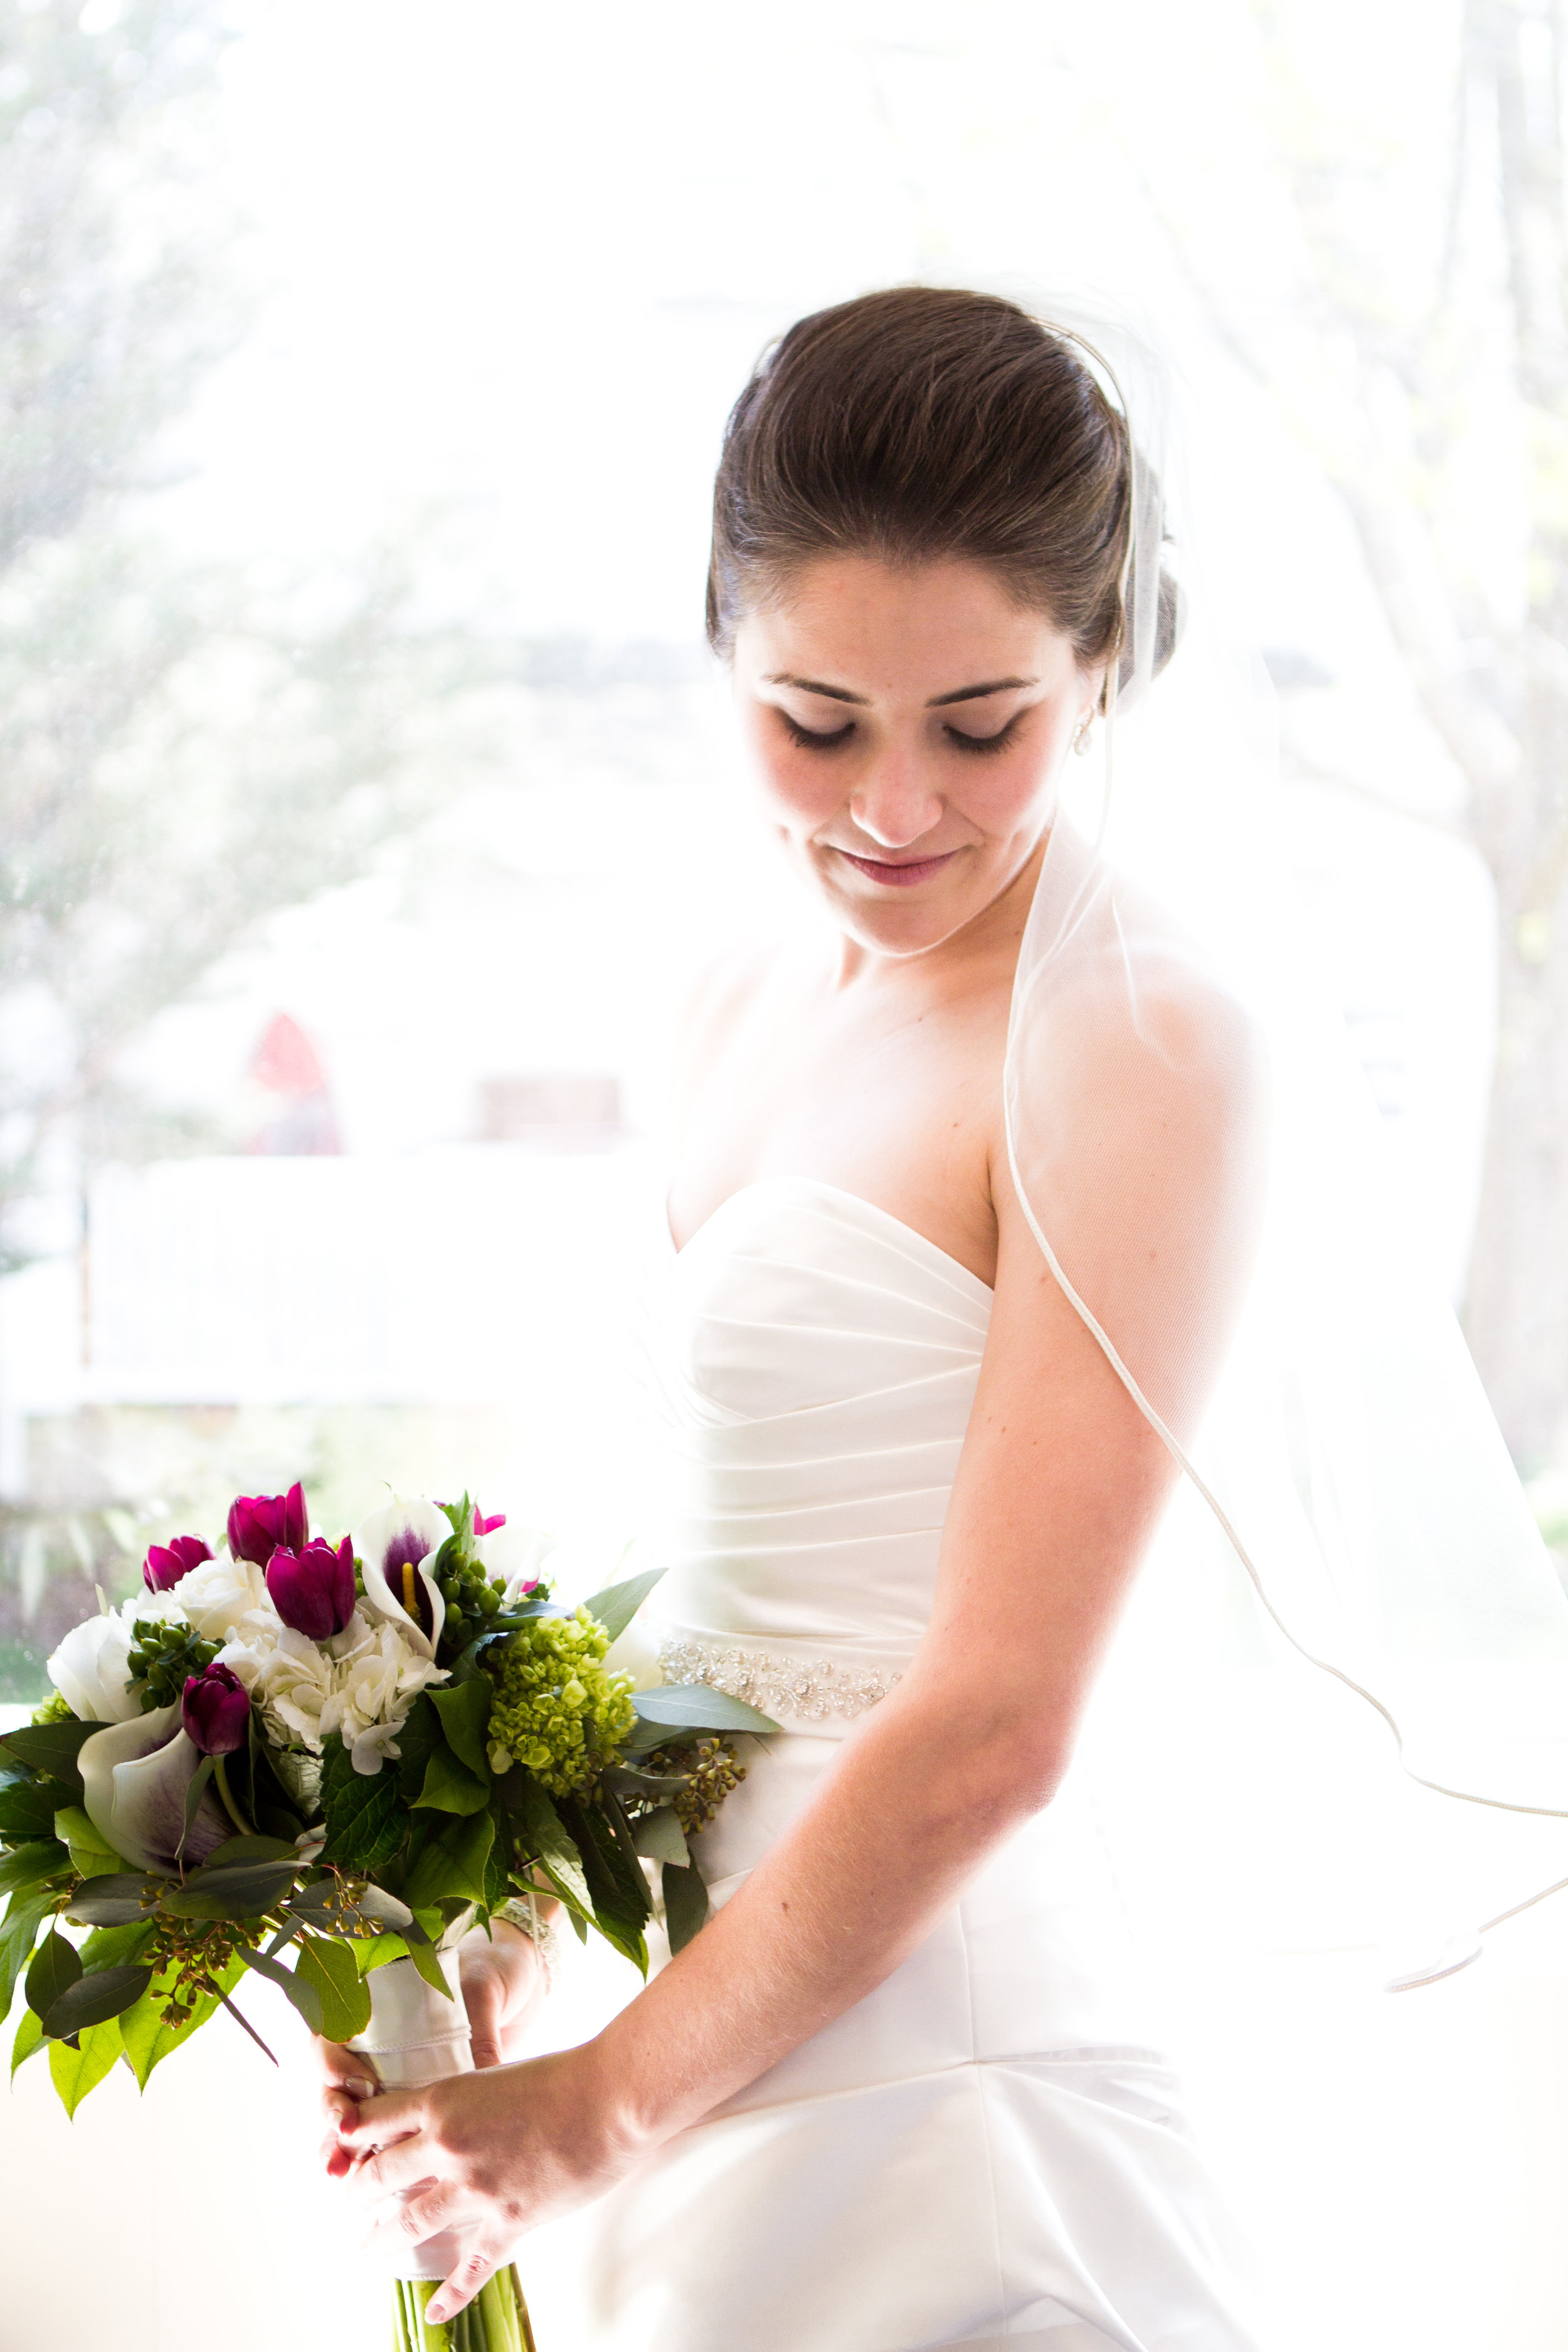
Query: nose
895	805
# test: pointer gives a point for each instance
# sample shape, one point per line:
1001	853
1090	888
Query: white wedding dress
990	2147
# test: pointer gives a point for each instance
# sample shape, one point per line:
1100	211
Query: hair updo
926	422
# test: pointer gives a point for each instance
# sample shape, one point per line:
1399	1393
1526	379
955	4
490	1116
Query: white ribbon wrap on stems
417	2036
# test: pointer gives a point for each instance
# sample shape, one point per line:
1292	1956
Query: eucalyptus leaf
299	1989
102	1994
685	1903
422	1952
242	1891
115	1900
617	1604
251	1849
695	1707
54	1968
660	1838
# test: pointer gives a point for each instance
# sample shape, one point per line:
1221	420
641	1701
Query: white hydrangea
227	1601
360	1684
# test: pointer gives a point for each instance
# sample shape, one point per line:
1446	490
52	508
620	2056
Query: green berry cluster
161	1656
557	1710
472	1598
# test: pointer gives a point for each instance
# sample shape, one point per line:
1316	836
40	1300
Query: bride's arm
1058	1484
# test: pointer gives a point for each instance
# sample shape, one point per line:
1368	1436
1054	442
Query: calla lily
91	1670
516	1552
396	1548
136	1776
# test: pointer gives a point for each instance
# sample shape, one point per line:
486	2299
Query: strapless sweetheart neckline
744	1193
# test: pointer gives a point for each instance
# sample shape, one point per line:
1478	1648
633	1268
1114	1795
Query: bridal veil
1199	1159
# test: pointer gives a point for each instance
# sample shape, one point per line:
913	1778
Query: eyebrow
937	702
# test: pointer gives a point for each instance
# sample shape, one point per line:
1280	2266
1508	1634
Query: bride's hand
488	2155
503	1981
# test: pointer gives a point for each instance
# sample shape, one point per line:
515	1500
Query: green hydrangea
557	1711
53	1710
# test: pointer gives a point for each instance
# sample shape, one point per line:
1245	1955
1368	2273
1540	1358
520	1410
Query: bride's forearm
901	1820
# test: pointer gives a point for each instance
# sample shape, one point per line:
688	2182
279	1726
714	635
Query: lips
898	875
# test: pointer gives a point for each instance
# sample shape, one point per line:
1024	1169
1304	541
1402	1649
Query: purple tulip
166	1564
313	1589
259	1524
216	1711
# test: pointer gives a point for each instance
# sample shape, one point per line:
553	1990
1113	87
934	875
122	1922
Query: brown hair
925	423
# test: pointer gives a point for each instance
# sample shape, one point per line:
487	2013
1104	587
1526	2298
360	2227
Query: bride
904	2090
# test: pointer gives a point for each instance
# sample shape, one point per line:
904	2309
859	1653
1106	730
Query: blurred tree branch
180	755
1415	378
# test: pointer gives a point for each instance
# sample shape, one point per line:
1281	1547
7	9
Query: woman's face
907	725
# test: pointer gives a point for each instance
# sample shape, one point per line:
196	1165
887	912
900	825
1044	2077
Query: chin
906	926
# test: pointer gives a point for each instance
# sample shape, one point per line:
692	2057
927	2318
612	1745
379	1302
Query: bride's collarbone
903	1114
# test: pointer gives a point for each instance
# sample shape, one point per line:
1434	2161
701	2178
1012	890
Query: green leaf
85	1842
694	1707
109	1947
116	1900
244	1890
449	1786
148	2038
620	1892
27	1865
545	1837
422	1952
617	1604
75	2072
377	1951
300	1990
56	1965
105	1993
27	2038
51	1748
361	1810
418	1737
464	1712
685	1903
453	1864
27	1808
330	1967
23	1920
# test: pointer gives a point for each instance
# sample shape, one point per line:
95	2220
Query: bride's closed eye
984	744
809	740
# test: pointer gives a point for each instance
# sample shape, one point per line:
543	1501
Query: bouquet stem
495	2320
417	2036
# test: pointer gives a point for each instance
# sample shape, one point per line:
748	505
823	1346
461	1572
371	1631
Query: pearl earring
1081	740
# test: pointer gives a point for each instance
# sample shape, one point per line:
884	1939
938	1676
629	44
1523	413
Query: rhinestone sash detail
776	1685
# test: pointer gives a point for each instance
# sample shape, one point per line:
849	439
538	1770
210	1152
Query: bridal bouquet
323	1763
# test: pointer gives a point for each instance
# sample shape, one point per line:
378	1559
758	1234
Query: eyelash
980	746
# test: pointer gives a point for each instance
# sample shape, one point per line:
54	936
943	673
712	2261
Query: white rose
228	1601
91	1670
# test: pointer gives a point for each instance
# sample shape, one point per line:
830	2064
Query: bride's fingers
377	2122
463	2284
433	2207
388	2170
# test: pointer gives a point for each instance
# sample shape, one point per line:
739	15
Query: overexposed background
357	1191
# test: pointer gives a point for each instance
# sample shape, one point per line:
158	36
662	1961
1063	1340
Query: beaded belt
778	1686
